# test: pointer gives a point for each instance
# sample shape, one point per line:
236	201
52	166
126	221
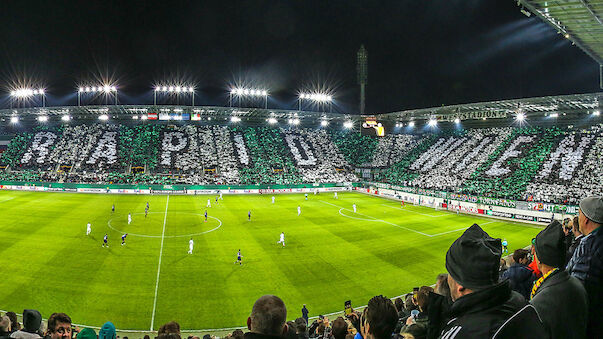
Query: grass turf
331	254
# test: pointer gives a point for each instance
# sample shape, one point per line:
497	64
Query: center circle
109	224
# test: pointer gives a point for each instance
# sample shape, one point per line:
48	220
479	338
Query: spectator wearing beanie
86	333
519	275
559	298
482	306
32	320
107	331
587	262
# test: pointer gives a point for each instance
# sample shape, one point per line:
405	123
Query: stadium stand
540	164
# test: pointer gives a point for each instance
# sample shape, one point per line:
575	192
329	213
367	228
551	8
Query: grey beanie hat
592	208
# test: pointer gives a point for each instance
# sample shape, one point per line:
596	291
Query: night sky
421	53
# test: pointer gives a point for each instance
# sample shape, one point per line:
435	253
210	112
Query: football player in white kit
354	207
129	218
335	195
88	229
191	244
298	210
208	203
282	241
273	199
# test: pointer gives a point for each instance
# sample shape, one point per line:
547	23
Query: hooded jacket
494	312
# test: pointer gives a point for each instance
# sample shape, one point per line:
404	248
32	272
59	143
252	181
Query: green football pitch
332	254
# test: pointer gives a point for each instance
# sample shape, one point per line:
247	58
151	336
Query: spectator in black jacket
587	262
519	275
559	298
267	319
484	307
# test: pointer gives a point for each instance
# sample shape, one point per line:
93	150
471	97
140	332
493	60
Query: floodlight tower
362	72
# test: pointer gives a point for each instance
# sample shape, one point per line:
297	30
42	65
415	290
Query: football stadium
186	218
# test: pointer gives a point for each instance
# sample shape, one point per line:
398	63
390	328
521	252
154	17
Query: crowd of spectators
528	163
572	170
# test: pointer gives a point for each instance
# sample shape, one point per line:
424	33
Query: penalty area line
374	219
159	264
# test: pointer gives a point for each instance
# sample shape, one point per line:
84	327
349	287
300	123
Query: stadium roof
569	104
581	21
572	105
205	112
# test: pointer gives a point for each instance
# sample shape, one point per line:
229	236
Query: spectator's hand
355	320
410	321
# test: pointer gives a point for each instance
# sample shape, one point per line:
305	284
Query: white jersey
208	202
221	196
354	207
298	210
335	195
282	236
129	218
88	228
273	198
190	246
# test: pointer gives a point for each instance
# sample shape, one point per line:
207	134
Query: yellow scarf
539	282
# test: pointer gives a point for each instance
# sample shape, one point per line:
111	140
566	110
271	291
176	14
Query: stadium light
324	123
65	118
235	119
103	117
554	115
248	92
14	120
23	93
597	113
457	121
520	117
104	88
272	121
411	124
42	118
348	124
432	122
174	88
318	98
294	121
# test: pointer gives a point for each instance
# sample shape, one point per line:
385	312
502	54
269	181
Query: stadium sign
524	217
500	214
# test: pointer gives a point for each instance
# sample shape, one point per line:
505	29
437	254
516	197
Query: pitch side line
378	220
159	265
